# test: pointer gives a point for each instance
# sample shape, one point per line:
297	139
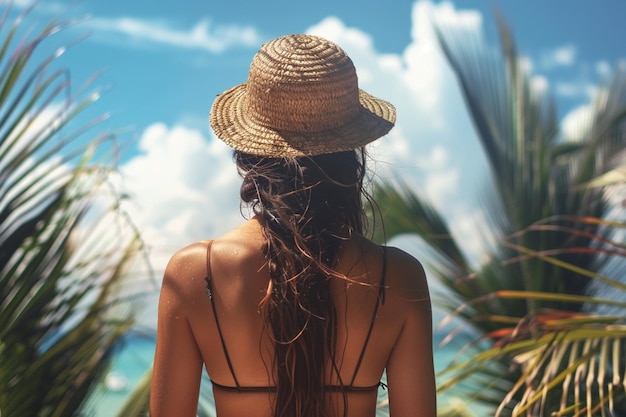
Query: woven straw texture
301	99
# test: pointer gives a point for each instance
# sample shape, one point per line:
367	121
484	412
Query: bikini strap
381	300
209	288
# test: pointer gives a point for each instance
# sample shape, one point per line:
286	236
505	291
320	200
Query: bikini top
329	388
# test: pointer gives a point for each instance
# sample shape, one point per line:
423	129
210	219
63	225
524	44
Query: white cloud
438	158
419	82
185	187
539	84
526	64
441	178
576	90
182	174
603	68
203	35
563	56
474	230
441	186
576	124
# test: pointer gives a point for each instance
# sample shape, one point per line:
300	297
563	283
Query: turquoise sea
136	356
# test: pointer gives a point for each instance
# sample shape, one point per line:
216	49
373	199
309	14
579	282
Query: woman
295	313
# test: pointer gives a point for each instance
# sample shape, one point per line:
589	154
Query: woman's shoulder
224	254
241	240
401	260
405	275
188	259
403	272
186	270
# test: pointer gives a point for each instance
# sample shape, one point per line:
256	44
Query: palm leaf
554	245
62	264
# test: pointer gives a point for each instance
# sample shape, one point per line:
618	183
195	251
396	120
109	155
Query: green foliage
543	343
64	249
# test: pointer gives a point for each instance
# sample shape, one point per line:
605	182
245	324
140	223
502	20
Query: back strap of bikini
209	288
381	300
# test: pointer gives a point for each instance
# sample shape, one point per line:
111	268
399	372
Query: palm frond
534	298
63	262
561	356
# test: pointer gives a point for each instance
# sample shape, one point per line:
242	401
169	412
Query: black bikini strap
244	390
209	287
381	289
381	300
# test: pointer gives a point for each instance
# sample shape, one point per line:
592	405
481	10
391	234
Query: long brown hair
307	206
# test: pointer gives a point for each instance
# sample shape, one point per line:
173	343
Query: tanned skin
187	336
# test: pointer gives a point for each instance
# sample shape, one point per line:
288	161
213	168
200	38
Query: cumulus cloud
539	84
433	147
576	124
576	90
563	56
203	35
184	186
603	68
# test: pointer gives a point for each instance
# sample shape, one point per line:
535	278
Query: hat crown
301	99
302	83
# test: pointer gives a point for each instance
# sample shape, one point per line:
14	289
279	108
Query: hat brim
232	124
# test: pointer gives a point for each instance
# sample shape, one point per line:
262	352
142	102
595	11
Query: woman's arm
410	370
177	362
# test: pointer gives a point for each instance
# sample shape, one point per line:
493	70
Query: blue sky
160	71
165	61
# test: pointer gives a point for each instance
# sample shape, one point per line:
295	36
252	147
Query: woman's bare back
400	339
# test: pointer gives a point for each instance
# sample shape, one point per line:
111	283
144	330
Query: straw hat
301	99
